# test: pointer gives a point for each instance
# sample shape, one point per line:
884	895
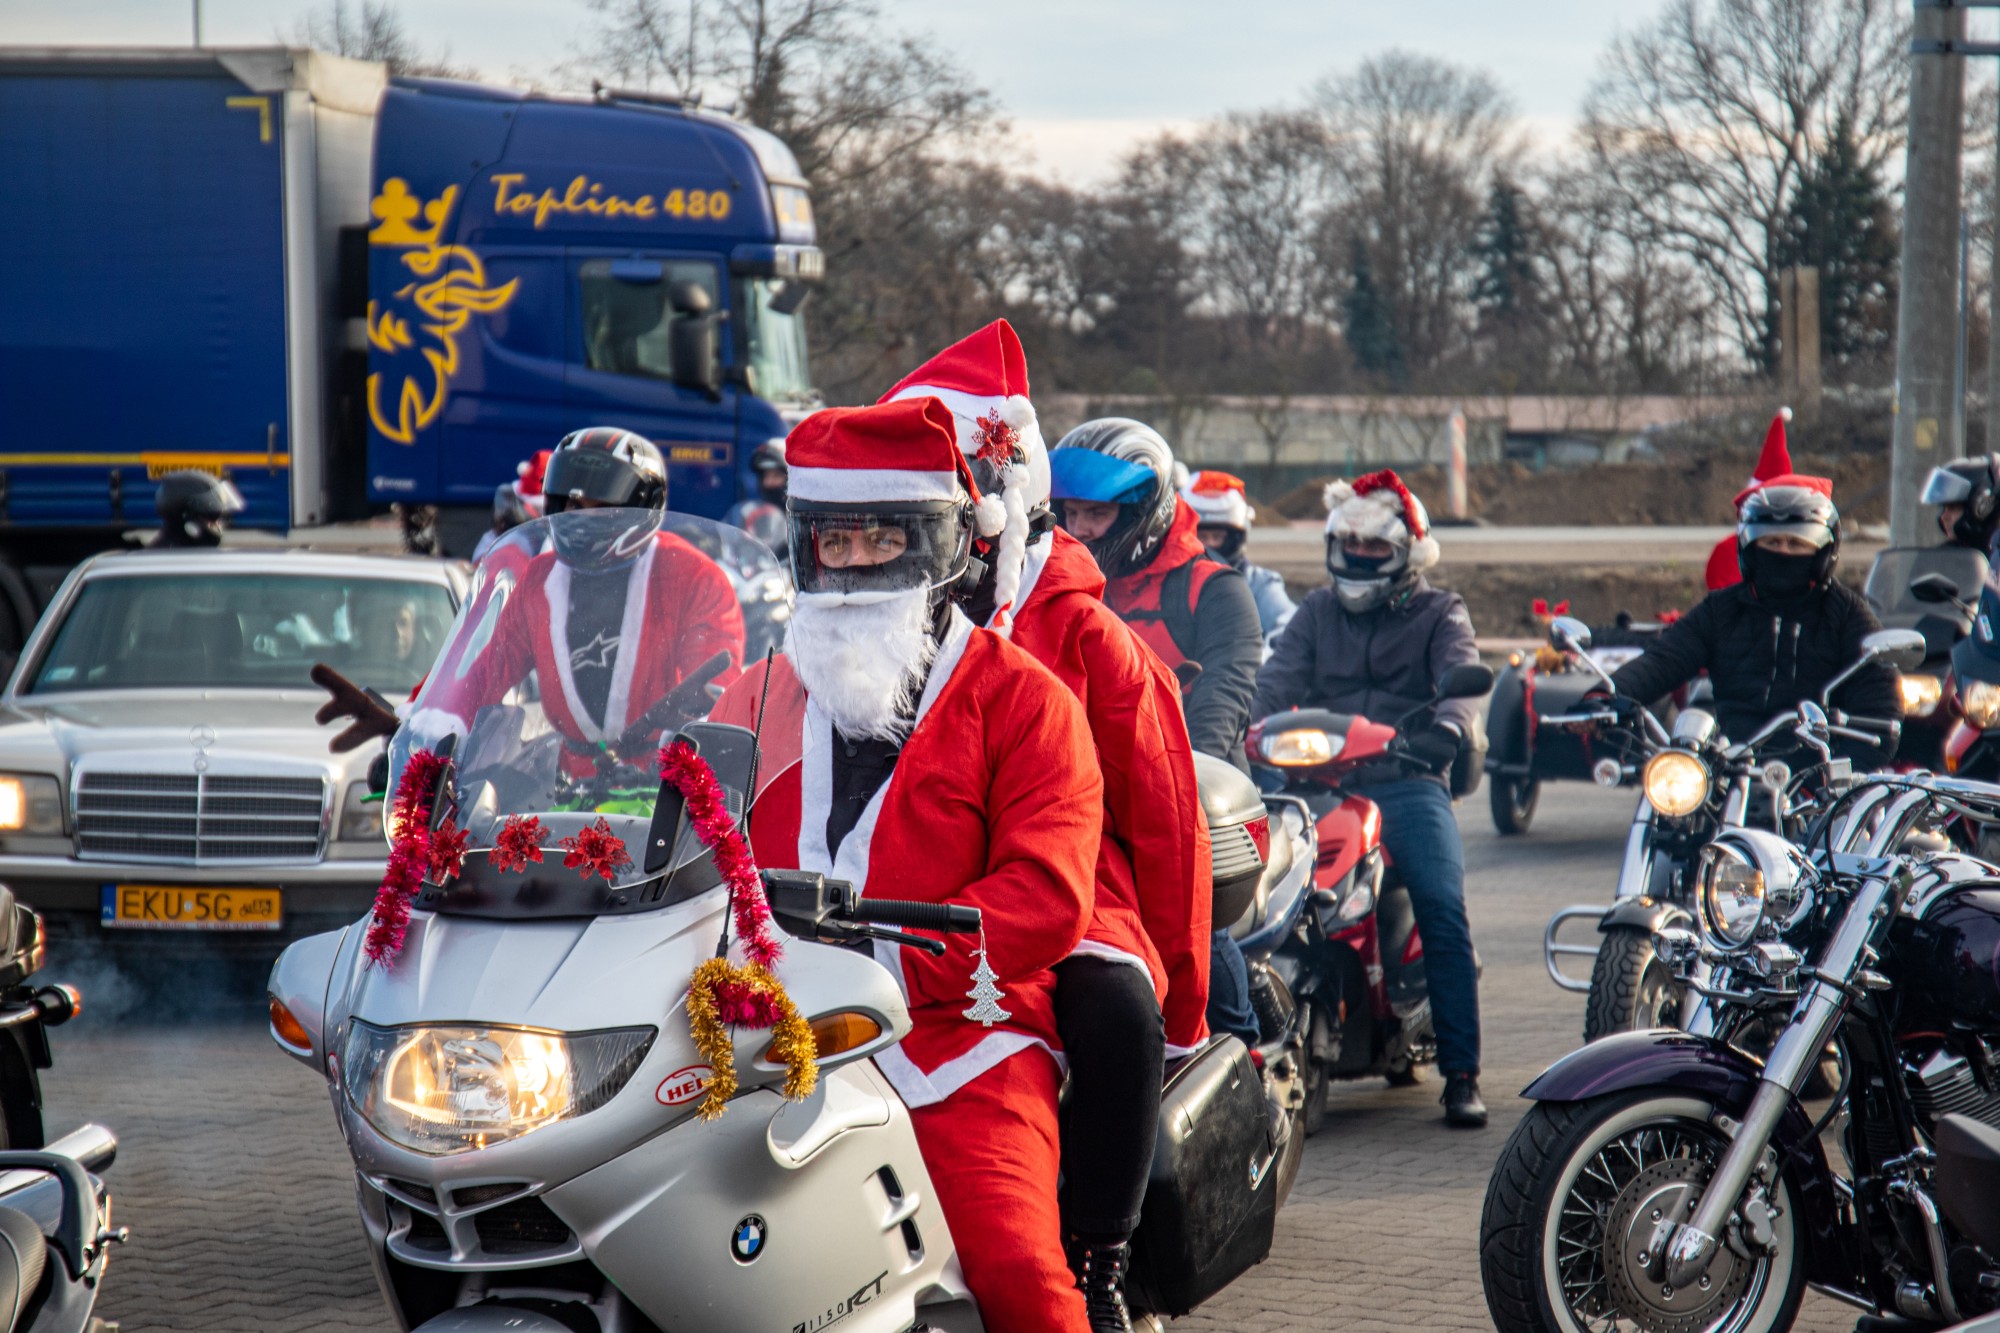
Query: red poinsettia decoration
999	442
595	851
520	842
1543	611
409	855
447	852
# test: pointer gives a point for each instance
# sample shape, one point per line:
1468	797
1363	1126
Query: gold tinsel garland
719	984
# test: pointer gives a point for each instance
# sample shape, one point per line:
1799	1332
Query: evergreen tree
1371	327
1840	222
1504	250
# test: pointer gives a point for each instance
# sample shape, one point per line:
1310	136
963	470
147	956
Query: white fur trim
991	515
920	1089
1015	410
1784	414
1424	554
1376	516
1228	508
859	485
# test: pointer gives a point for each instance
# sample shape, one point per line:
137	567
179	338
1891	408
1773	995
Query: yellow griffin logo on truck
448	287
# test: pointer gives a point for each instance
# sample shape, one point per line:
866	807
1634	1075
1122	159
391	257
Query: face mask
1779	577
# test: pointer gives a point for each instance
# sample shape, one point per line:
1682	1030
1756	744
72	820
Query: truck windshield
244	631
775	341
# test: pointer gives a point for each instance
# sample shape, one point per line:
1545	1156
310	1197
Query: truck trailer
347	291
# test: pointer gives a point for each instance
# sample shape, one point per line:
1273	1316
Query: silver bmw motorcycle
519	1087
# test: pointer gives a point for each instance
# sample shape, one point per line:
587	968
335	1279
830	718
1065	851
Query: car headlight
1732	896
1304	747
30	803
1921	695
1980	702
441	1090
360	818
1676	783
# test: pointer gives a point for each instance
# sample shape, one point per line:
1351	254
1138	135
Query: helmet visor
1788	511
589	474
1946	487
864	549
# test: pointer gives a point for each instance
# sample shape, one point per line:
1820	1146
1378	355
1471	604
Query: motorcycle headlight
1304	747
1732	896
1676	783
1980	702
1921	695
442	1090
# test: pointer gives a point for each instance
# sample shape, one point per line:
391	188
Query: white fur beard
863	657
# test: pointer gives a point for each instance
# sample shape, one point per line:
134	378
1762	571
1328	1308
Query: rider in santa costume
932	760
1135	990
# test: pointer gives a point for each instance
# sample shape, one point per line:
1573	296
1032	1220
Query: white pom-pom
1784	414
991	515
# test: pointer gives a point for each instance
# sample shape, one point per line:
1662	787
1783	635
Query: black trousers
1116	1042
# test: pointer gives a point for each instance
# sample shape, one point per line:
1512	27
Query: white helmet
1377	507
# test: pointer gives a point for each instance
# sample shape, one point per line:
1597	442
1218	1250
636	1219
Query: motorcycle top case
1212	1201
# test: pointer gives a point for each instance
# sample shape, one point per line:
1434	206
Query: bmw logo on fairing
747	1242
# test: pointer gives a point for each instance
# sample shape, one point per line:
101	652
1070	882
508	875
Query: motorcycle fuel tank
1948	962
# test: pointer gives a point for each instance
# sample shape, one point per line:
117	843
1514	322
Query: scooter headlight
443	1090
1980	702
1301	747
1676	783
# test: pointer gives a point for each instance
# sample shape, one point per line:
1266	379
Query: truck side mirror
693	340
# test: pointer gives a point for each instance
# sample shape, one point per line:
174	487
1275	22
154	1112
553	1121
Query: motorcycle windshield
1889	578
592	638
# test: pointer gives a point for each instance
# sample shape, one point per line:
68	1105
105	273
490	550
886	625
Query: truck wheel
1631	989
1513	803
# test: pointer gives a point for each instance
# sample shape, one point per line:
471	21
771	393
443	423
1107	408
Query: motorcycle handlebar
940	917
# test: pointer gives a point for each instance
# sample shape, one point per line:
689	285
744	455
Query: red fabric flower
1539	607
708	811
520	842
447	851
999	443
595	851
409	856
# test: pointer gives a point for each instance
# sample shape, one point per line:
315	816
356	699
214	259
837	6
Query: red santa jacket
1153	869
995	802
680	610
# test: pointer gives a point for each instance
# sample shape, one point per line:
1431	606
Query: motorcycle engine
1944	1081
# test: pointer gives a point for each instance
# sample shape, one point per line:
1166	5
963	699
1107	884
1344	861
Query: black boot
1463	1108
1103	1287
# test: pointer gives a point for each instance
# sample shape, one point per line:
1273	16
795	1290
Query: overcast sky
1081	79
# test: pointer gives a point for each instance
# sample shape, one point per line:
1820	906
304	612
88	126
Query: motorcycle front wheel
1631	987
1513	803
1576	1195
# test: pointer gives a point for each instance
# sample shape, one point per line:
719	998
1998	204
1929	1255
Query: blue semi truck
347	291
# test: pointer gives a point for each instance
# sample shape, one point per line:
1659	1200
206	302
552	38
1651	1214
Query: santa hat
1378	507
983	380
892	453
1823	485
1218	497
1776	459
528	480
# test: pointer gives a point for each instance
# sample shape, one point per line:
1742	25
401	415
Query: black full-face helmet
603	467
1133	468
1973	484
195	507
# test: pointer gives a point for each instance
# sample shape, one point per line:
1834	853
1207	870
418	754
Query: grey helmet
1143	490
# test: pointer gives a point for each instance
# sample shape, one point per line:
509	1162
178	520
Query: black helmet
767	462
510	508
194	508
1974	484
1782	508
1135	470
607	468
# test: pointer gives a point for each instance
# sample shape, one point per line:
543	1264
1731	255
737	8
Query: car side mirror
1569	634
1468	680
693	340
1933	588
1903	649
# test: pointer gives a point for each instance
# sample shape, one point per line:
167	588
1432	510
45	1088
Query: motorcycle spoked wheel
1631	987
1572	1201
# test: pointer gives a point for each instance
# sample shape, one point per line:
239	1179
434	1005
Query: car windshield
776	340
244	631
591	638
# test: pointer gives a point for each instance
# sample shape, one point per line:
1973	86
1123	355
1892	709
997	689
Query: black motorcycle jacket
1380	664
1763	660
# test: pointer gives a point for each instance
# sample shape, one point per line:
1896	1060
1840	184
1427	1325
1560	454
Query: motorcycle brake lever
935	947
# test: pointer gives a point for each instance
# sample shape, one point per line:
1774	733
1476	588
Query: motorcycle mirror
1467	680
1933	588
1903	649
1569	634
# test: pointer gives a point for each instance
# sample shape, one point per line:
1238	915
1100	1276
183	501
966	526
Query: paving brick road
234	1183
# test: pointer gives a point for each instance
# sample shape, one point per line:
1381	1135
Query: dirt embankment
1682	492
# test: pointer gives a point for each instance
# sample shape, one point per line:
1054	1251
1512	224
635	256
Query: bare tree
1705	121
372	30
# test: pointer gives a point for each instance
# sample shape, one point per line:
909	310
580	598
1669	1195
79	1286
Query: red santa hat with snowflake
892	453
1379	507
983	380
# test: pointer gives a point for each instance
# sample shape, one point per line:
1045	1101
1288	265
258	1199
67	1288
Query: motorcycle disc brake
1643	1215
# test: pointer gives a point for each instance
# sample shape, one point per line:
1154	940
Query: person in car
1375	643
937	761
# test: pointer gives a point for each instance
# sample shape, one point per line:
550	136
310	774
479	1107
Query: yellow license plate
182	907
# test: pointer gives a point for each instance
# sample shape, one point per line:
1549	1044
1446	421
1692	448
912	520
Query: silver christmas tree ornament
985	991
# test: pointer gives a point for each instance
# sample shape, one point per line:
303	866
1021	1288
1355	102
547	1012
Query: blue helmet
1115	460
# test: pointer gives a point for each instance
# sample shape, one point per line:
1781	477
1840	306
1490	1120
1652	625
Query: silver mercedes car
160	769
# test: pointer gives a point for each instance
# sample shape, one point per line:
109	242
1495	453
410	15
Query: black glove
1602	699
370	717
1434	747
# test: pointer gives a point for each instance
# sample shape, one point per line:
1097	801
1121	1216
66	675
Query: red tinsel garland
595	851
520	841
708	811
409	855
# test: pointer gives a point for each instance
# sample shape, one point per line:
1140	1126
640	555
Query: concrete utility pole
1926	327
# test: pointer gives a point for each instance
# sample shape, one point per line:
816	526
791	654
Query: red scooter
1346	946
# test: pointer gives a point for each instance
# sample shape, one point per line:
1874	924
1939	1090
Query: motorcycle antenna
750	792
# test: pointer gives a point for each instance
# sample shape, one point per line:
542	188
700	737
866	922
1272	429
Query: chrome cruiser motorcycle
1669	1180
519	1085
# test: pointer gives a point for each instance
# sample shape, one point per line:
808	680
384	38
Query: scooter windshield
590	639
